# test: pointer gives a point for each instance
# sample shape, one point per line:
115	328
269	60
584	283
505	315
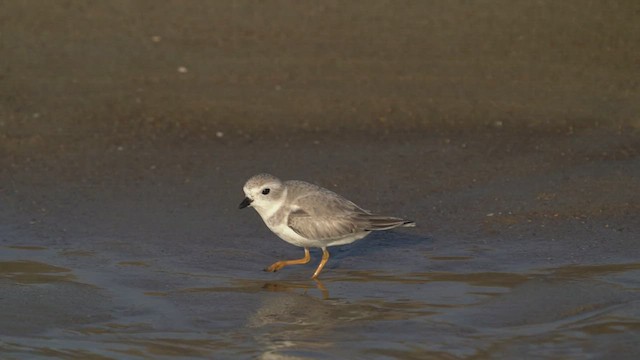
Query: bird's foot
275	266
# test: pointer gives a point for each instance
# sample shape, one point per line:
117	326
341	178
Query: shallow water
90	304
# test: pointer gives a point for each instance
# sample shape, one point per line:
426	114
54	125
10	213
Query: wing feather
324	216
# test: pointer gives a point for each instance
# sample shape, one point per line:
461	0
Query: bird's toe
273	268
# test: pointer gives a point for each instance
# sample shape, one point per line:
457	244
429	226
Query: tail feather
385	222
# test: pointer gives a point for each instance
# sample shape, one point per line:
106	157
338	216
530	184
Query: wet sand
128	130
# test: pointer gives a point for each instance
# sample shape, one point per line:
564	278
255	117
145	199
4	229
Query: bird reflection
289	286
292	318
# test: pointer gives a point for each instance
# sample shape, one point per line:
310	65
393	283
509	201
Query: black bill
246	202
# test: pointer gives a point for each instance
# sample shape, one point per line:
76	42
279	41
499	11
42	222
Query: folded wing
323	217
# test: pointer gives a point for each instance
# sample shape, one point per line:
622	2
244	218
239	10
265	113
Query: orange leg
280	264
325	258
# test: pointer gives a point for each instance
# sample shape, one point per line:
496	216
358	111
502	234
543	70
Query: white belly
290	236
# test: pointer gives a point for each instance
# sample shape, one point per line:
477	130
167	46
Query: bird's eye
265	191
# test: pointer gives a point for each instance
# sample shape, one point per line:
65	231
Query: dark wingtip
409	223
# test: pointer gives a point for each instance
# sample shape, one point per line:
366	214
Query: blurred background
182	69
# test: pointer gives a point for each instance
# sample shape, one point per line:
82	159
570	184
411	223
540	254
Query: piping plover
308	215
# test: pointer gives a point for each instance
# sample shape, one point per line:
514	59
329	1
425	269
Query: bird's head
263	192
